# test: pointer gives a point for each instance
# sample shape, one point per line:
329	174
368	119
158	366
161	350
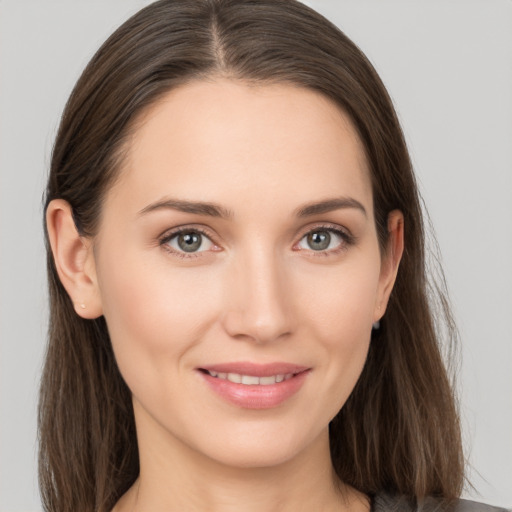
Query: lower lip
256	396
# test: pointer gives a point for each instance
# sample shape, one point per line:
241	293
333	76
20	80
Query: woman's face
238	270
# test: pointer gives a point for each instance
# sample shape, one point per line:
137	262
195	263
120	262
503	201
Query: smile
255	386
252	380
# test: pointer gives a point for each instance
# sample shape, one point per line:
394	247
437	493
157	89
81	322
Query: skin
255	291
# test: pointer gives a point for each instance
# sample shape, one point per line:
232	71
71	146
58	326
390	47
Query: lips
255	386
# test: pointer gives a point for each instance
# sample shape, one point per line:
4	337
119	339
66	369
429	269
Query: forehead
217	140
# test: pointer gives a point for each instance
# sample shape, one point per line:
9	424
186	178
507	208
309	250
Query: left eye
321	240
189	241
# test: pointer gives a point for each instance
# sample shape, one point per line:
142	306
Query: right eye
187	241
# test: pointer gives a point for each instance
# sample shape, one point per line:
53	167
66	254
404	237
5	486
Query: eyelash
170	235
347	240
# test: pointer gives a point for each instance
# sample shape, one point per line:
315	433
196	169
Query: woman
239	310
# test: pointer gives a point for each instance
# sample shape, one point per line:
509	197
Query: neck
175	477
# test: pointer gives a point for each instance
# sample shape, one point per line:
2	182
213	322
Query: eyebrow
199	208
329	205
215	210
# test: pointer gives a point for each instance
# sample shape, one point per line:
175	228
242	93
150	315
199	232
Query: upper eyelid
205	231
170	233
328	227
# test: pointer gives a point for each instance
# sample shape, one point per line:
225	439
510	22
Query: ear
74	260
390	262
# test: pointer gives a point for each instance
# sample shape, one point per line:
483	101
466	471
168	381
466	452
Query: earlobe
390	261
74	260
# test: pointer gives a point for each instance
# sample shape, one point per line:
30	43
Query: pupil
189	242
319	240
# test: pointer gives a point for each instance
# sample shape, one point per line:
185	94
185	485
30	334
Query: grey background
448	67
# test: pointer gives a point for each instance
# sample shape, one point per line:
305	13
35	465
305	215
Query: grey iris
189	242
319	240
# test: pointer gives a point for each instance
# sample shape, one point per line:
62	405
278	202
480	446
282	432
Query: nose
259	299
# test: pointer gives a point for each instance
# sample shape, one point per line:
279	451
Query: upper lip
255	369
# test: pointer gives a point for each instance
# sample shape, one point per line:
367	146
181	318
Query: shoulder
475	506
383	502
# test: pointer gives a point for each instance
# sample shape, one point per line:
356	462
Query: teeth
251	380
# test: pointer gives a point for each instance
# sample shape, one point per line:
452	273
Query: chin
255	457
263	448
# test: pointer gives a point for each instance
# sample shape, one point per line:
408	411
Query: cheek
340	302
154	314
340	309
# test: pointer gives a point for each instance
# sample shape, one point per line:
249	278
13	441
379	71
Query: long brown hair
399	430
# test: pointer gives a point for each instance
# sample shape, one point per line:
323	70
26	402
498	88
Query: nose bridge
259	296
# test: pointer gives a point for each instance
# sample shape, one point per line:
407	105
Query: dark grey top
388	503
